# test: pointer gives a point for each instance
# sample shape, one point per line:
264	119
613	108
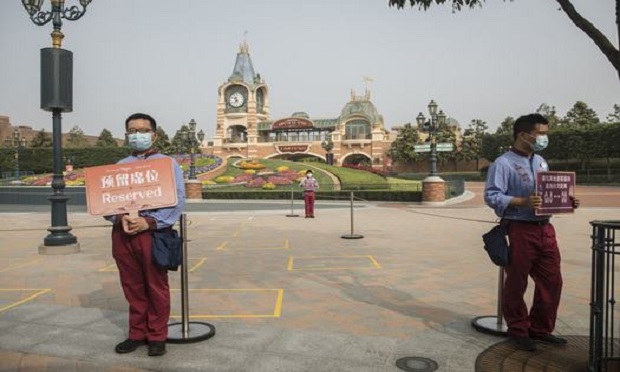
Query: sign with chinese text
293	148
130	187
556	190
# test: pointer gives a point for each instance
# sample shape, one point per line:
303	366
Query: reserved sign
556	190
130	187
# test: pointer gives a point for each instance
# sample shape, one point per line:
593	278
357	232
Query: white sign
445	146
422	148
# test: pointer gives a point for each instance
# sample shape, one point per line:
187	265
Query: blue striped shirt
513	175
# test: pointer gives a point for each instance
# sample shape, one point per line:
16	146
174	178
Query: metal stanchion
187	332
292	214
493	324
604	349
352	235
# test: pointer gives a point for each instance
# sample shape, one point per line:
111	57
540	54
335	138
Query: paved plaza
285	293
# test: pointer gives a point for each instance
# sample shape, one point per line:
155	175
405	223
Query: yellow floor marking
277	311
113	268
222	246
373	261
21	265
36	294
266	245
109	268
200	262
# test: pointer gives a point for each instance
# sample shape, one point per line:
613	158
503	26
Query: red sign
292	123
293	148
556	190
130	187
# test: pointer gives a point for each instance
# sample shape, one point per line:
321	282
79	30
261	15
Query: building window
357	129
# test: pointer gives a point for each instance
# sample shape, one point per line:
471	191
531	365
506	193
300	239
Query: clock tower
242	103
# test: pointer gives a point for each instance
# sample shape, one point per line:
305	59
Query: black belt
537	223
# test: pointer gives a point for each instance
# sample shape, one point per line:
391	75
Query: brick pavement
284	293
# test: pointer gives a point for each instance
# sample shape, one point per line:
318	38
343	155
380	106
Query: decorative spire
244	48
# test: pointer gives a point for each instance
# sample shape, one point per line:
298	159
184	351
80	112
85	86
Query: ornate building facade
244	128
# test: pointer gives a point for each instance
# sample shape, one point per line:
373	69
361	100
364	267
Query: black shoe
524	343
157	348
128	346
551	339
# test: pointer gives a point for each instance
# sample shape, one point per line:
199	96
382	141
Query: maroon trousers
309	197
144	284
534	252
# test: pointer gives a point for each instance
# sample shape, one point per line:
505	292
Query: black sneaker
128	346
524	343
157	348
551	339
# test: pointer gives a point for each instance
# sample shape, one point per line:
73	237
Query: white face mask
309	175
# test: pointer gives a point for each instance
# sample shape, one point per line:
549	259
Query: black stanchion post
187	332
352	235
604	353
292	214
493	324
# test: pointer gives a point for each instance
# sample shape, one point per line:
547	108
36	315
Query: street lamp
189	136
436	121
328	145
18	144
57	97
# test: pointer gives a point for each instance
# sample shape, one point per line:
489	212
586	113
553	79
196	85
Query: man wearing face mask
145	285
310	185
511	191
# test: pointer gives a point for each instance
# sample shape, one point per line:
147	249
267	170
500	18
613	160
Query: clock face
236	99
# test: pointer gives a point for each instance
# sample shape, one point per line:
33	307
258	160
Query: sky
167	58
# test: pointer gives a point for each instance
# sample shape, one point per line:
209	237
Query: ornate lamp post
433	187
189	137
57	97
435	122
18	144
193	187
328	145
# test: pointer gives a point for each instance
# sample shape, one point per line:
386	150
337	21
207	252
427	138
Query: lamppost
57	97
189	137
328	145
18	144
435	121
433	187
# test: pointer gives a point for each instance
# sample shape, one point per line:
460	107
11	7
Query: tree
580	115
41	139
549	113
471	148
402	148
106	140
76	138
162	142
506	126
614	117
600	40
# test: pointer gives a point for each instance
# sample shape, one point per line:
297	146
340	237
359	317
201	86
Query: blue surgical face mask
140	141
541	143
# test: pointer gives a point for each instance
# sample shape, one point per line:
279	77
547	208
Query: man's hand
134	225
534	201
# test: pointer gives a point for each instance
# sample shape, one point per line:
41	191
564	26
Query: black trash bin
604	345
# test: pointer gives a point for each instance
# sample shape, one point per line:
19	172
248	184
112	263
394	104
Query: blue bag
166	249
496	245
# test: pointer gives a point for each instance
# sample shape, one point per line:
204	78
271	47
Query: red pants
534	252
309	197
144	284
